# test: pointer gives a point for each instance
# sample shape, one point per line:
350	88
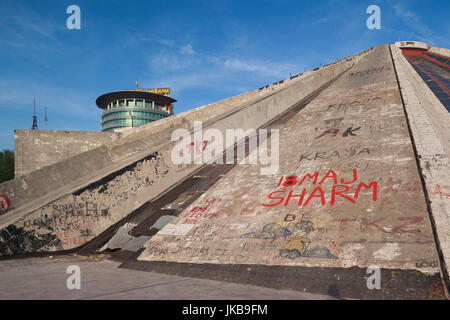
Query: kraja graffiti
350	152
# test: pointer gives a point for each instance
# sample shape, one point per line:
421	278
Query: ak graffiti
334	131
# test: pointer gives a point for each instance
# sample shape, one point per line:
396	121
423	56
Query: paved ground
45	278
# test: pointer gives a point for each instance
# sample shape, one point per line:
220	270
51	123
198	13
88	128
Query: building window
115	104
130	103
148	104
139	103
121	103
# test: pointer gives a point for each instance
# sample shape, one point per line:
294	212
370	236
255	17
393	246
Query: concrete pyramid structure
362	181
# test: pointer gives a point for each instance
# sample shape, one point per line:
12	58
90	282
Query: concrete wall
412	44
441	51
35	149
120	176
430	126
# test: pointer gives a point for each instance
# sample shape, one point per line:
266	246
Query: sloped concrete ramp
68	204
348	193
347	196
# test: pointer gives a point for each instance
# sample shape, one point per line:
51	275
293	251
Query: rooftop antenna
137	84
35	126
45	119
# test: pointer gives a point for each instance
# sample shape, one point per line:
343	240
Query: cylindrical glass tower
132	108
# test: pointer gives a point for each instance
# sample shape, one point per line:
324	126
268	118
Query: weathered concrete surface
35	149
134	170
45	278
412	44
123	240
78	217
319	233
441	51
149	138
430	126
357	129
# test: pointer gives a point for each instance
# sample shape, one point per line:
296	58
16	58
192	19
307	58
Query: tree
6	165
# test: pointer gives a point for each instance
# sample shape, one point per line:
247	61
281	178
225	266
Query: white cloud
196	71
264	68
182	68
168	42
187	49
240	65
419	29
22	27
166	61
189	80
35	24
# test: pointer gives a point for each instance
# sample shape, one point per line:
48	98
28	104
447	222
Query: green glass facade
129	113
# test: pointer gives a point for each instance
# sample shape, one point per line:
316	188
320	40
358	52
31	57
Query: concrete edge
336	282
410	86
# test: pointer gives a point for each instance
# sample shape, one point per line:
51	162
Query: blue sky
204	50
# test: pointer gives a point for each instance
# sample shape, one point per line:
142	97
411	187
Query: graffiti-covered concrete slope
429	119
348	194
69	203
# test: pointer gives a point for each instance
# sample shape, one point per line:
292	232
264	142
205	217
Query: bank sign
156	90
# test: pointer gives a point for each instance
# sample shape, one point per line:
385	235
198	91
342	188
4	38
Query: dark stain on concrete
17	241
337	282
